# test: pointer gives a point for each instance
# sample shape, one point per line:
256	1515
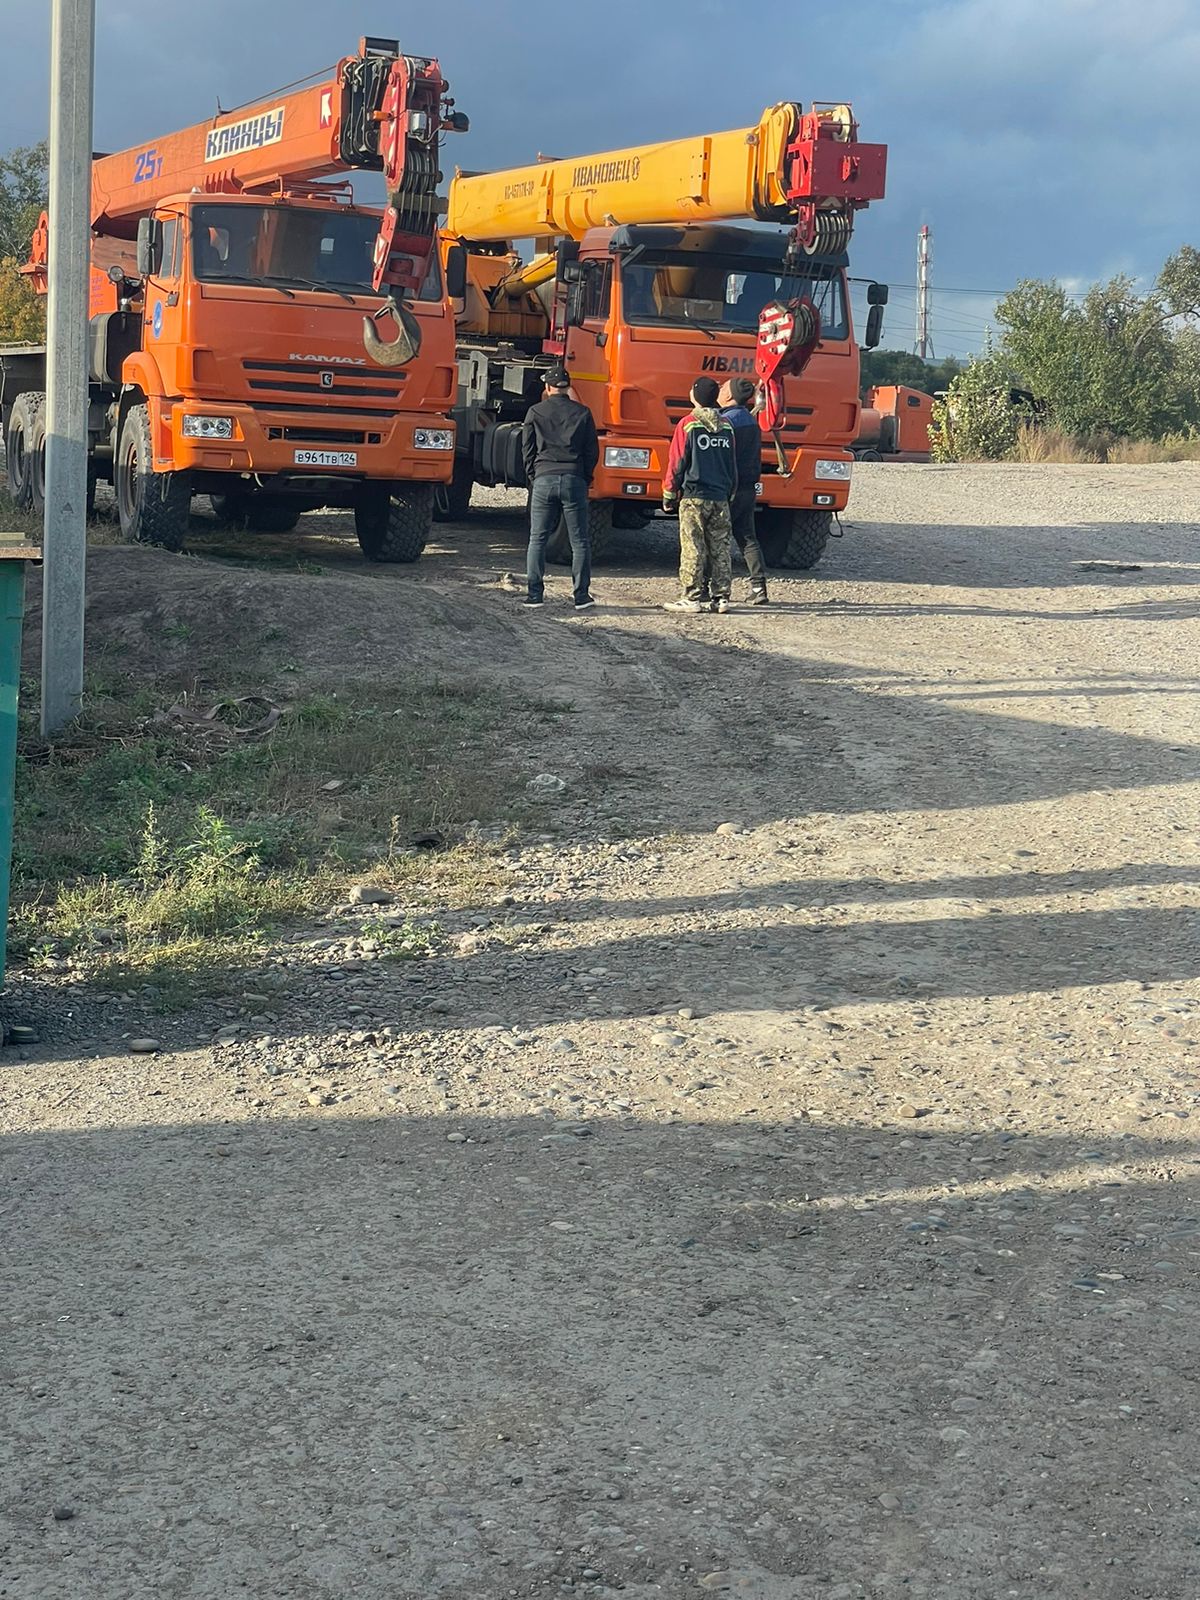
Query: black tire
153	507
794	539
600	530
267	514
632	515
452	501
264	513
229	510
25	452
393	521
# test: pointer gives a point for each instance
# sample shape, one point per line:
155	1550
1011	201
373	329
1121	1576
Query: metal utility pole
924	344
64	548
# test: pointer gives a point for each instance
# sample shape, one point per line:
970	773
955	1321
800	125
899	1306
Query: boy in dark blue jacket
700	480
737	407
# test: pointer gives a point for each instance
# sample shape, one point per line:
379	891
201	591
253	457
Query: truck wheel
632	515
393	521
264	513
600	527
452	501
25	449
793	538
153	507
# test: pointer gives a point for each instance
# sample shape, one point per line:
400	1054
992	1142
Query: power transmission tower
924	344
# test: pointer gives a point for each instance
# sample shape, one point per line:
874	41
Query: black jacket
747	449
559	436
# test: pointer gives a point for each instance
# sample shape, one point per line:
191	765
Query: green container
14	554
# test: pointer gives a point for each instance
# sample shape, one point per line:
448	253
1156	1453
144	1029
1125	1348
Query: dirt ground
806	1212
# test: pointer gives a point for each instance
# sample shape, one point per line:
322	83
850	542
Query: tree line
24	195
1115	364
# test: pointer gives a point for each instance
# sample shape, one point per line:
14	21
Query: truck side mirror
874	327
568	251
572	272
877	294
149	246
456	271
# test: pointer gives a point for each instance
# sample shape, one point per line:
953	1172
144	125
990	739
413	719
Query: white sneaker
721	606
692	607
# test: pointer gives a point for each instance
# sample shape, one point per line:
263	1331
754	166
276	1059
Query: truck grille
324	436
334	382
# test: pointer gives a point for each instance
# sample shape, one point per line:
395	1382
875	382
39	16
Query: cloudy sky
1037	138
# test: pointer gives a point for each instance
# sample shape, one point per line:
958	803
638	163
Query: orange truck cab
246	342
648	310
894	425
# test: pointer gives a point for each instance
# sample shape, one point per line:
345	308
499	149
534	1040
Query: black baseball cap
557	378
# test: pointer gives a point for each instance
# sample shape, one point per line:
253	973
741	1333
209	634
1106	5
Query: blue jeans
553	496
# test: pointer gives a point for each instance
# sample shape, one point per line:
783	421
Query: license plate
326	458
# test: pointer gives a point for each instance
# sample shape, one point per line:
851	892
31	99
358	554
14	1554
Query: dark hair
705	391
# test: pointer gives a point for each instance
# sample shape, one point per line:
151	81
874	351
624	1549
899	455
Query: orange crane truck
236	302
641	282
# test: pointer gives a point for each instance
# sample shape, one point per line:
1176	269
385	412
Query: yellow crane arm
786	168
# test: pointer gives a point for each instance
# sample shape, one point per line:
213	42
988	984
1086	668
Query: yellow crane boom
804	168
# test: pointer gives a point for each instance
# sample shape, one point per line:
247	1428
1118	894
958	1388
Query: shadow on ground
331	1358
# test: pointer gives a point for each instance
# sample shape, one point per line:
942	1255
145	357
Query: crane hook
404	347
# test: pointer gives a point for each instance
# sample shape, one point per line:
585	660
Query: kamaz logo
249	134
331	361
727	364
591	173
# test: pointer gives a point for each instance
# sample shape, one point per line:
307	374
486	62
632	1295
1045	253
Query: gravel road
785	1189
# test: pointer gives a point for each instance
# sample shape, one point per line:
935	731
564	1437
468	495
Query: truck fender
142	385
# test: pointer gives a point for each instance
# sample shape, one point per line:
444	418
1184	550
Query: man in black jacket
561	451
737	407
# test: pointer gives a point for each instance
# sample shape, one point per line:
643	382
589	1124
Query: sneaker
586	604
721	606
758	597
533	600
693	607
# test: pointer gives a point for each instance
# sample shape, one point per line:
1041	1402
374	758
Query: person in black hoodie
737	407
561	451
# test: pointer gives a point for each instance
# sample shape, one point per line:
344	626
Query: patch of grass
1052	445
167	849
13	520
410	942
1141	452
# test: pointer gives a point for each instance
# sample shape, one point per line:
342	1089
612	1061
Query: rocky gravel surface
783	1186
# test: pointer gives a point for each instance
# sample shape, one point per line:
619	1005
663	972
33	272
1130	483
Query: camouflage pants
705	530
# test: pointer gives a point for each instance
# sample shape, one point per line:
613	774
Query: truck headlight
207	428
433	439
619	455
833	469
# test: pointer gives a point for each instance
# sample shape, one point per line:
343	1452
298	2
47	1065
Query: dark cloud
1037	137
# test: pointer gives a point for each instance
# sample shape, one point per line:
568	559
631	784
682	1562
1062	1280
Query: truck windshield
680	289
296	247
